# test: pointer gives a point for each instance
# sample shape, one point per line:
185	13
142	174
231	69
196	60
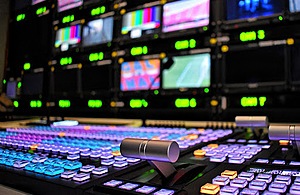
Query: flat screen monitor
37	1
96	78
11	87
294	5
32	83
68	37
191	71
295	62
66	80
63	5
98	31
257	65
243	9
185	14
140	22
140	75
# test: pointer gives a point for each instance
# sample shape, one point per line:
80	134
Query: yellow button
284	142
213	146
199	152
192	136
210	189
230	174
116	153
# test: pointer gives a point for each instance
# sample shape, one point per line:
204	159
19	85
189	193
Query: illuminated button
241	141
283	179
227	190
81	177
210	189
120	158
206	148
294	163
270	193
246	175
222	181
213	146
68	174
95	154
146	189
107	162
87	168
264	177
199	152
262	161
164	192
263	141
295	189
266	146
249	192
252	141
39	159
60	163
278	162
229	174
239	183
236	160
40	168
234	155
231	140
73	157
277	187
100	170
73	165
49	161
116	153
129	186
247	156
297	181
30	167
52	171
20	163
120	163
107	156
133	160
284	142
113	183
217	158
210	153
258	185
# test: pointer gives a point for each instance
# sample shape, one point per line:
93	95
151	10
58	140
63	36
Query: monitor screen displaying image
192	71
140	75
294	5
185	14
37	1
63	5
32	83
68	36
11	88
139	22
98	31
243	9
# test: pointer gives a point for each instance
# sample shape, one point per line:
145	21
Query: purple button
258	185
227	190
239	183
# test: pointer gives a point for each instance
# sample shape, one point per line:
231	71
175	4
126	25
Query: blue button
227	190
270	193
164	192
52	171
262	161
120	163
278	162
39	159
258	185
107	162
133	160
239	183
294	163
49	161
30	167
129	186
264	177
100	170
236	160
246	175
283	179
20	163
222	181
73	165
277	187
87	168
81	177
249	192
113	183
295	189
40	168
73	157
68	174
146	189
217	158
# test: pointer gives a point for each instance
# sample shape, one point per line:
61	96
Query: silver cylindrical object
251	121
284	132
155	150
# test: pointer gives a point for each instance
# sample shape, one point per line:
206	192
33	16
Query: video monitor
294	5
140	75
185	14
32	83
257	65
37	1
66	81
295	62
63	5
11	88
243	9
98	31
140	22
96	78
191	71
68	37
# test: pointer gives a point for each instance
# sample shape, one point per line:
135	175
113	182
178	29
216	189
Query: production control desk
86	159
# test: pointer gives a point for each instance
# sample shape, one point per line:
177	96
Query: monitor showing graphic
294	5
37	1
63	5
98	31
68	36
140	75
185	14
191	71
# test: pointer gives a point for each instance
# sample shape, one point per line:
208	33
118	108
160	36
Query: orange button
155	138
199	152
210	189
33	147
192	136
284	142
87	127
62	134
116	153
230	174
201	130
213	145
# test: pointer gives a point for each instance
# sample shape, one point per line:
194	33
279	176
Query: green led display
253	101
185	103
16	104
98	11
206	90
96	56
64	103
20	17
135	51
36	104
4	81
19	84
65	61
137	103
95	103
156	92
67	19
252	35
185	44
41	10
26	66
